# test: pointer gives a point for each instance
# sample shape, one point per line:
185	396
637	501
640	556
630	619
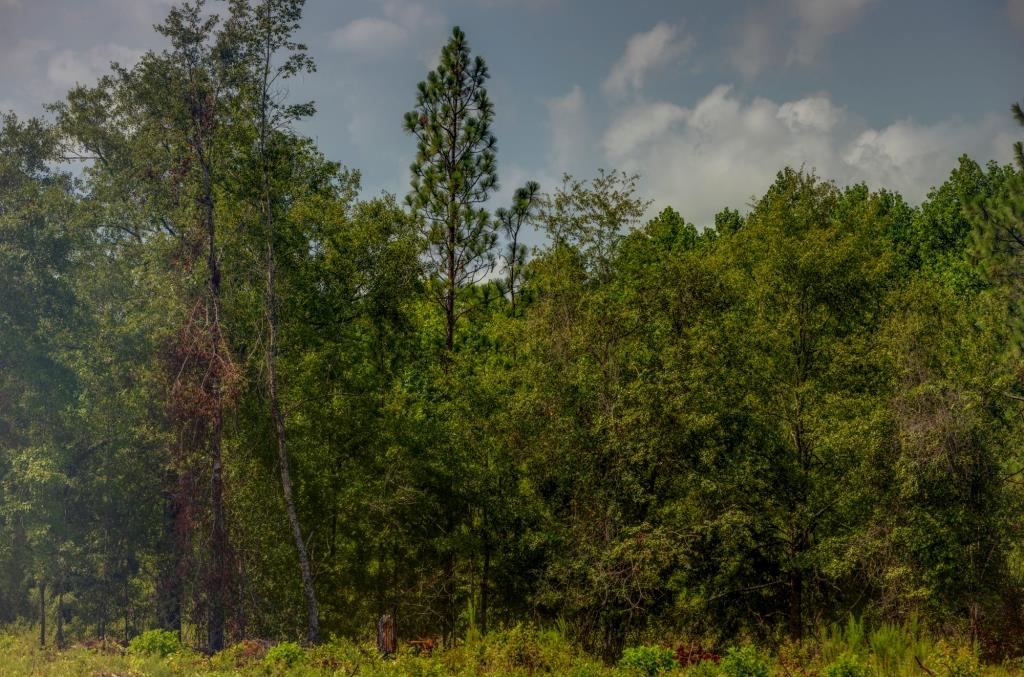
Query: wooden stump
387	643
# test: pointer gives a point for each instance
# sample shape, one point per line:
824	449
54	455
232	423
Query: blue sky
706	100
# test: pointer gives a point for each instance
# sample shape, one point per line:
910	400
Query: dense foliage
237	400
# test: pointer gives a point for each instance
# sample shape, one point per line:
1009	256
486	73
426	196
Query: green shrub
160	643
337	655
743	662
958	661
286	654
847	665
521	647
648	660
704	669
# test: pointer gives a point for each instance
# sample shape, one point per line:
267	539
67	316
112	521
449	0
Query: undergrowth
843	650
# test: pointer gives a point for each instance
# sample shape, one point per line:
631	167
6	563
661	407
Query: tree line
237	399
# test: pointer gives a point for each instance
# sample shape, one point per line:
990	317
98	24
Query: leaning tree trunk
312	612
271	304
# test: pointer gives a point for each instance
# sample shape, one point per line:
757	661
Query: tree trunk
796	593
42	613
485	586
216	591
449	597
449	298
218	545
58	638
312	612
271	303
127	626
169	585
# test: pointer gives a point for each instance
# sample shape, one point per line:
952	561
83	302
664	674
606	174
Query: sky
705	100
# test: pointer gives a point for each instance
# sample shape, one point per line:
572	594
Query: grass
848	649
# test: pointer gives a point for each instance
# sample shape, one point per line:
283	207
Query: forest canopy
240	399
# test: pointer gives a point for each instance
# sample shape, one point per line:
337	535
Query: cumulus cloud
42	73
792	32
382	35
725	149
644	52
567	118
640	125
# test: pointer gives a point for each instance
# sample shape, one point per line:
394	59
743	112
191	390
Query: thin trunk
42	613
219	537
127	628
796	594
449	597
58	638
169	585
312	611
485	587
512	281
449	300
313	622
218	545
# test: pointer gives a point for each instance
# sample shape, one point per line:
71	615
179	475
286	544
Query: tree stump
387	643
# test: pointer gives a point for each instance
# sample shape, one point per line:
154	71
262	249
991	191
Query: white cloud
370	35
912	157
724	149
641	124
383	35
567	117
792	32
645	51
1015	10
814	112
819	20
67	68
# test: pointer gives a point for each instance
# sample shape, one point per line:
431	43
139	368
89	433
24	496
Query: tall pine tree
453	175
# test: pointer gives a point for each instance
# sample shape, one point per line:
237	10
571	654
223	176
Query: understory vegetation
844	650
245	412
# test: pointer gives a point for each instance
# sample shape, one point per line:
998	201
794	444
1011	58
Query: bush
743	662
239	655
337	655
286	654
847	665
648	660
704	669
160	643
958	661
522	647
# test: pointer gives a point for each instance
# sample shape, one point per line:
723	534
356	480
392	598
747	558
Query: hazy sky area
707	100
